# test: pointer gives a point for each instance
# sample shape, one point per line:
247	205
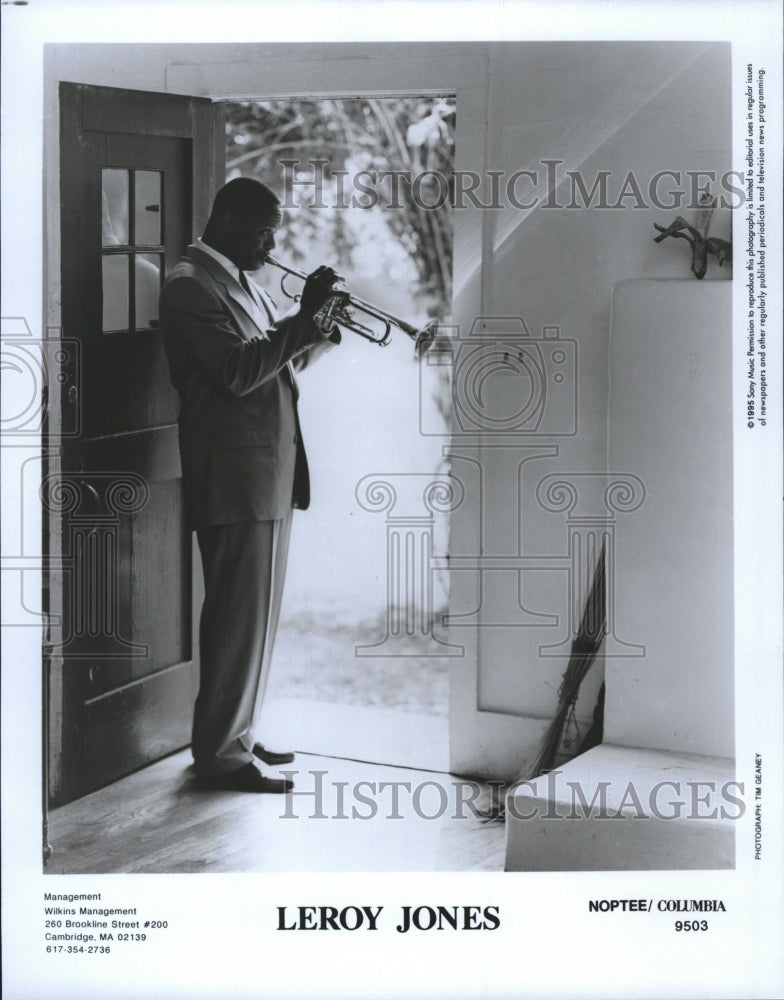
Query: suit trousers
244	570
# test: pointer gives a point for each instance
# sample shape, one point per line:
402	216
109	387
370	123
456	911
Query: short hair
243	193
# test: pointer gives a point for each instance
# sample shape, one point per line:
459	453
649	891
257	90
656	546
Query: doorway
111	714
365	184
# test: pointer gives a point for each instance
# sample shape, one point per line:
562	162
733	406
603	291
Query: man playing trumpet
244	467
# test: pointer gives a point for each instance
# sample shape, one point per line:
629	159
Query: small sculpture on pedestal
701	244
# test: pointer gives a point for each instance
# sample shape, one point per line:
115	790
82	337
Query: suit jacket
240	441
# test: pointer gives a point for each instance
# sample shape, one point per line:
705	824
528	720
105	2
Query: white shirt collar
224	261
259	298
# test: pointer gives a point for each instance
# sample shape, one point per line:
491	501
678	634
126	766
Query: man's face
251	236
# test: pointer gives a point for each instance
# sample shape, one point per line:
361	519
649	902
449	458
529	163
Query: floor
375	734
344	815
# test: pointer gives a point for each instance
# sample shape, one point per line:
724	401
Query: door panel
137	176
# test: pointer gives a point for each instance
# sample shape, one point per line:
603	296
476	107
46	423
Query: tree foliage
411	136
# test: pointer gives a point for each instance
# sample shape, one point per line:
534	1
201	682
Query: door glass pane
147	210
148	284
114	207
115	292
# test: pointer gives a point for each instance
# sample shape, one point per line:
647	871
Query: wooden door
138	171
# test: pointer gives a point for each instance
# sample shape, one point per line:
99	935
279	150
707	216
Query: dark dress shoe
270	757
244	779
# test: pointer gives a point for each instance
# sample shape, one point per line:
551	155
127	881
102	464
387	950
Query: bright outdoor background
362	408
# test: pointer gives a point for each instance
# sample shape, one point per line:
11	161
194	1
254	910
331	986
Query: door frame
481	741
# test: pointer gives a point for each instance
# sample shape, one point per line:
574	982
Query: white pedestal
670	423
652	810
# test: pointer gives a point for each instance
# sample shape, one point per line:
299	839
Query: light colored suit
240	443
244	469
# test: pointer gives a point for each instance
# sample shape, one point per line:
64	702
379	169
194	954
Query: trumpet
340	309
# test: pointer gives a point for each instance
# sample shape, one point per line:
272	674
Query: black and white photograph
392	466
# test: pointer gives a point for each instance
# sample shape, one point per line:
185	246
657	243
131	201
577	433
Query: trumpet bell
425	338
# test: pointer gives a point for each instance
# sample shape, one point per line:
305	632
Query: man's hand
318	288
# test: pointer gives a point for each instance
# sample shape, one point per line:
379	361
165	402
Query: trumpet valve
334	310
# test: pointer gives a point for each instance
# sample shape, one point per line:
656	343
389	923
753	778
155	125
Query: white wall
597	107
